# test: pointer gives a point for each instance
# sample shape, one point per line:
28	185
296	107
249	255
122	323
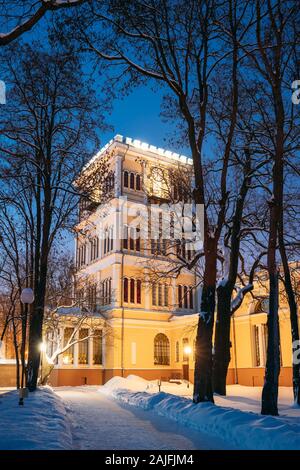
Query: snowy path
99	422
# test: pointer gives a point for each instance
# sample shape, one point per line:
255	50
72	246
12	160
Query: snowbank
42	422
242	429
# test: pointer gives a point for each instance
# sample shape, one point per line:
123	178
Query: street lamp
187	351
27	298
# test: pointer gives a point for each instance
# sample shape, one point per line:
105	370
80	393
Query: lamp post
27	298
187	351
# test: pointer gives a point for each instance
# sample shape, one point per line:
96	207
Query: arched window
131	180
138	291
125	289
132	291
126	179
161	350
262	306
138	182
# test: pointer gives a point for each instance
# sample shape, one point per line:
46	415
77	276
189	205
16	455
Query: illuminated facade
125	279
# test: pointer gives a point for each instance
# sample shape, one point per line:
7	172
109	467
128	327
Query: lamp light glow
187	350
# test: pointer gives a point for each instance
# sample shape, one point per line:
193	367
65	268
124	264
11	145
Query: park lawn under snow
236	418
42	422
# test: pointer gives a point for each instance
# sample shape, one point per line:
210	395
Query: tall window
132	291
185	297
68	355
138	291
161	350
125	289
138	183
154	294
106	297
126	179
108	240
166	291
185	356
97	348
92	297
83	346
94	248
160	294
179	296
131	180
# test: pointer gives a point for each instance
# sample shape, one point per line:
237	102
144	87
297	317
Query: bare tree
47	134
20	16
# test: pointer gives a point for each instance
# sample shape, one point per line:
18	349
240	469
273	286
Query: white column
75	360
147	292
261	345
90	350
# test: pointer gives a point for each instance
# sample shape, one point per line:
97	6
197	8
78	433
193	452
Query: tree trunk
270	389
203	390
222	340
36	333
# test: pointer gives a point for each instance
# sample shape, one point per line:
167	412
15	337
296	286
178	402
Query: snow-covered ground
42	423
100	422
236	419
132	414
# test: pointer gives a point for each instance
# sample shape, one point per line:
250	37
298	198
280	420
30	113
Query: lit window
97	348
83	346
161	350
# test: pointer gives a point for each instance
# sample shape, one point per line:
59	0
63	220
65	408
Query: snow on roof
142	146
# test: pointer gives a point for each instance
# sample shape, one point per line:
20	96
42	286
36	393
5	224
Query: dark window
131	180
138	183
160	300
191	298
161	350
125	289
138	240
126	179
180	296
185	297
138	291
132	291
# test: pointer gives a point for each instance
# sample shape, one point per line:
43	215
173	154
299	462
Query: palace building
134	284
